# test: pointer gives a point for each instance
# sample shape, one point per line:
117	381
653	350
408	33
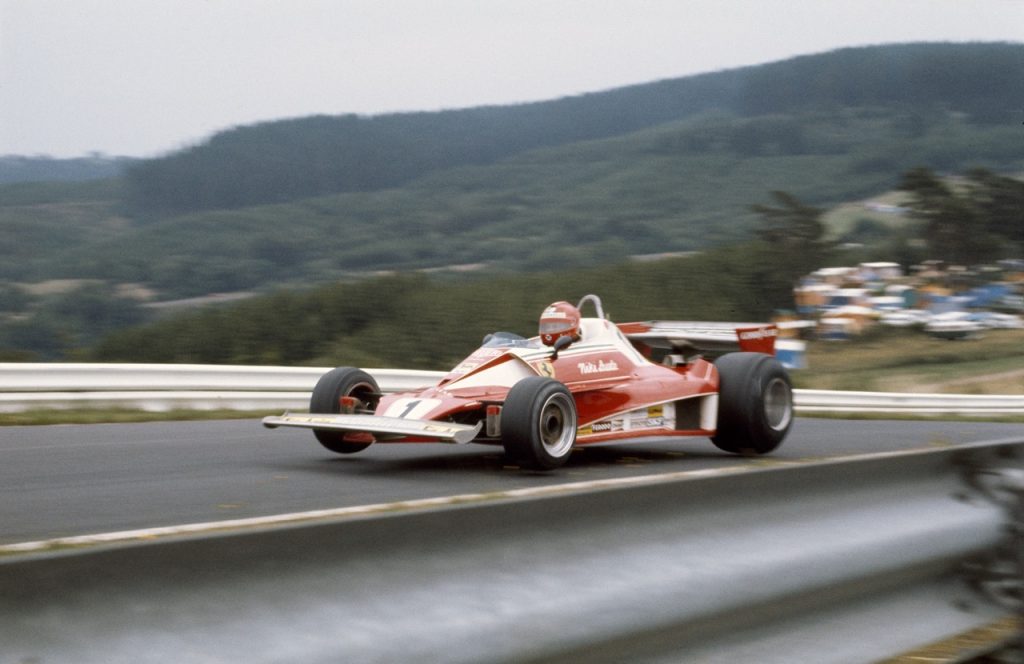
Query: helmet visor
554	326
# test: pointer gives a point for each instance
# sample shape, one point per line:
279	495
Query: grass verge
119	416
888	360
937	417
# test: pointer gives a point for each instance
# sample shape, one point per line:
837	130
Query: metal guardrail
849	560
86	377
164	387
157	387
904	402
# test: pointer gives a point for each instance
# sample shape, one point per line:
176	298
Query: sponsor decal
476	359
602	427
647	422
761	333
545	368
309	420
437	428
597	367
655	419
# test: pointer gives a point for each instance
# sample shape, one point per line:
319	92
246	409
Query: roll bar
596	301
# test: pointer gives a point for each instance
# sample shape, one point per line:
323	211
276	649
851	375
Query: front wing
377	424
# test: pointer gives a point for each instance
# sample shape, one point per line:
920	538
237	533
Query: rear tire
538	423
337	383
755	403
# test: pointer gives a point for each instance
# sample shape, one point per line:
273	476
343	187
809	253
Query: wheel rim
363	393
557	425
778	404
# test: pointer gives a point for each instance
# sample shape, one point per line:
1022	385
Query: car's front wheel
337	383
755	403
538	423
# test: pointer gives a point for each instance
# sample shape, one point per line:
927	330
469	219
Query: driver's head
561	319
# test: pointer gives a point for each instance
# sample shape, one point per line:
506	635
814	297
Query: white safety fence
165	387
897	402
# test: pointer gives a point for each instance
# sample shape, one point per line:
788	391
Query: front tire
337	383
755	403
538	423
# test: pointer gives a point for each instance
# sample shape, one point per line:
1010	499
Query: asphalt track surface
61	481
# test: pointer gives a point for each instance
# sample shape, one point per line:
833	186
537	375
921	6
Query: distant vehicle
906	318
581	381
953	325
997	321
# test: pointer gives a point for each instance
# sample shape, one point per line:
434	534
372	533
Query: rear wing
683	336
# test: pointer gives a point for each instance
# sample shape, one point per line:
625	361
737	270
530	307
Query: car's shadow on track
586	463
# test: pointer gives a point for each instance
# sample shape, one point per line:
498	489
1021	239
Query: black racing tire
538	423
755	403
337	383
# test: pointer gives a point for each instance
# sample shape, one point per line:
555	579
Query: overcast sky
144	77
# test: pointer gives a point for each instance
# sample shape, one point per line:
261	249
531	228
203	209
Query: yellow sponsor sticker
308	420
438	428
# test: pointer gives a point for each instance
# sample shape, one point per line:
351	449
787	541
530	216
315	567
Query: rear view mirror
561	344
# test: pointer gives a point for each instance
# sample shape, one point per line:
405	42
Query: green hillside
39	221
16	168
683	186
671	166
298	158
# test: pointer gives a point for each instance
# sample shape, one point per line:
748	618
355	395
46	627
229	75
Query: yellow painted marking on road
966	646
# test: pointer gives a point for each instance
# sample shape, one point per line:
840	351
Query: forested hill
16	169
288	160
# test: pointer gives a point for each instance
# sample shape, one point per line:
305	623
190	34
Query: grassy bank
889	360
117	416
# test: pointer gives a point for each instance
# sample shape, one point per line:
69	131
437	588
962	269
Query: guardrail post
1015	485
1000	575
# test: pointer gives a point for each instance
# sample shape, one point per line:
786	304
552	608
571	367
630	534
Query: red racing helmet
561	319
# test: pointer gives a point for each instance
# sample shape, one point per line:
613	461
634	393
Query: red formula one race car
581	381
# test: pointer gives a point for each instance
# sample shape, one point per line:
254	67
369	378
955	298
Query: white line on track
127	537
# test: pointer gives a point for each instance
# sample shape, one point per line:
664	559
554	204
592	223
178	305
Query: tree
1000	203
955	225
790	223
792	244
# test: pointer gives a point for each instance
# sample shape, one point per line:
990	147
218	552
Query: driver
561	319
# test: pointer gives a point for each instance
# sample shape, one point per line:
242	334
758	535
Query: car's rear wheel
538	423
755	403
332	386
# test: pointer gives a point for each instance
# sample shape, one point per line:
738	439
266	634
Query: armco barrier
902	402
162	387
840	561
50	377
